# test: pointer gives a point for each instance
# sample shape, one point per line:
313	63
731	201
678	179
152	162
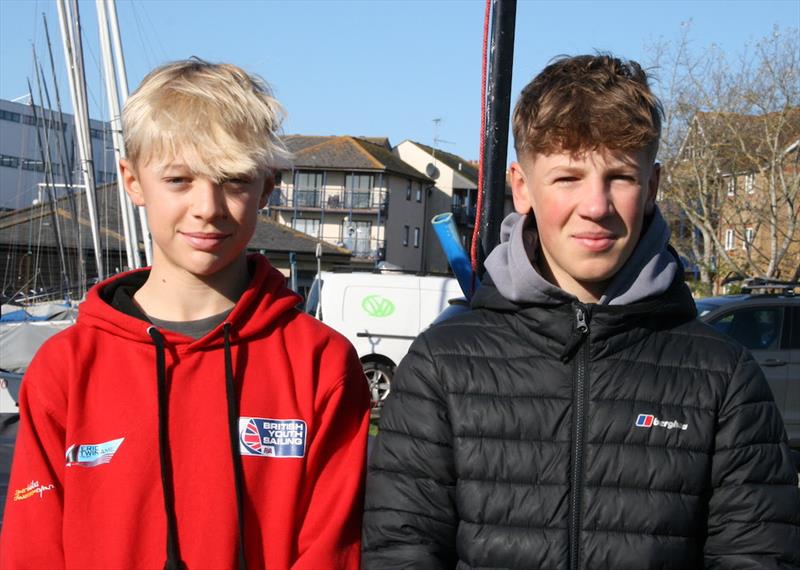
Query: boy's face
589	211
198	226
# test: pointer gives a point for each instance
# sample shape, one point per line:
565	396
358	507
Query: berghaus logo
650	421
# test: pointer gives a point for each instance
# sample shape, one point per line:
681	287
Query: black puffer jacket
573	436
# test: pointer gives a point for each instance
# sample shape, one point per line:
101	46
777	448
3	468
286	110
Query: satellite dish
432	171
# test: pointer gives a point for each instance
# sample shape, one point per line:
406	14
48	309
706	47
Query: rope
479	206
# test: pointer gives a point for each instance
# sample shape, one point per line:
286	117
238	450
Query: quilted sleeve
754	508
410	518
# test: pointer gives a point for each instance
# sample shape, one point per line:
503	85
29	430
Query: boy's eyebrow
565	169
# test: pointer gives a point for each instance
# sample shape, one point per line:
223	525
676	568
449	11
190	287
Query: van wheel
379	380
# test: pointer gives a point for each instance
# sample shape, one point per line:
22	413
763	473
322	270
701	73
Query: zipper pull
580	320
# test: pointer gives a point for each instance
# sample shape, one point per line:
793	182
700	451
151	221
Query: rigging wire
479	205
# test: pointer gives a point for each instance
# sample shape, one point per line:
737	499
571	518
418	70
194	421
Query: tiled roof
742	142
347	153
464	167
272	236
33	225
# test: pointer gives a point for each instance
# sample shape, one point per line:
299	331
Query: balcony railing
329	199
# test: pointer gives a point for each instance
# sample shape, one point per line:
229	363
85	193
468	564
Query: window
408	190
10	161
794	320
307	189
96	133
730	184
9	116
750	183
419	191
35	165
358	190
749	233
405	236
307	226
416	237
728	240
356	237
28	120
757	328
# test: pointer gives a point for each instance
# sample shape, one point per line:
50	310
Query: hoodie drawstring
174	561
233	429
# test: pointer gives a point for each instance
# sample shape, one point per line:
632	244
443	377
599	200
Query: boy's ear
652	188
519	189
269	186
131	182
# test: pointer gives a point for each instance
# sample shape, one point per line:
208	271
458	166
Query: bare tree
731	155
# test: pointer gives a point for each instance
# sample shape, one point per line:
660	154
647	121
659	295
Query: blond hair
218	119
586	102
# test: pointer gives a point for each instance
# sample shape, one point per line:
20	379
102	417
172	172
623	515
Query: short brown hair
585	102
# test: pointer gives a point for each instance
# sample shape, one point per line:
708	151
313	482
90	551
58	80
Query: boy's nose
208	200
595	201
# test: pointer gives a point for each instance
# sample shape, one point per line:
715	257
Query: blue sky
381	67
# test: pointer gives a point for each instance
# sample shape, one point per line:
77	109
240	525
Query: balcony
463	215
329	199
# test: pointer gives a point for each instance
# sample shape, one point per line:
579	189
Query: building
354	192
456	188
739	176
22	157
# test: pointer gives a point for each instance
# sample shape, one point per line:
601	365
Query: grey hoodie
649	270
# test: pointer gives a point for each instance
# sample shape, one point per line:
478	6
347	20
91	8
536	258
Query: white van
381	314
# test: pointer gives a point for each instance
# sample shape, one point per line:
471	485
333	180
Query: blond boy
192	417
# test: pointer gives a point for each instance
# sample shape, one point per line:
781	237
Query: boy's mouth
204	241
595	241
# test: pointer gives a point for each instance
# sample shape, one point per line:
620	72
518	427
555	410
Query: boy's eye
236	182
177	180
565	179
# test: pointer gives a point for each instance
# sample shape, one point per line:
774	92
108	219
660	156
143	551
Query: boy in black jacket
580	416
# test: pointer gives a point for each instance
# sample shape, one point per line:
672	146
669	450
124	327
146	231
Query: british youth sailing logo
92	454
265	437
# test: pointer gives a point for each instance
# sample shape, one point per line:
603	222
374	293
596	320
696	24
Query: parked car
765	318
381	314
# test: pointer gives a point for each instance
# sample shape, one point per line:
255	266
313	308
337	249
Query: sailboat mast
44	150
122	75
66	167
110	76
77	81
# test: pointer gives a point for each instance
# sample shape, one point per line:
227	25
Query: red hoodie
88	486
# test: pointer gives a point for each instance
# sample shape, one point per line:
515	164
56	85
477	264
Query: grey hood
649	271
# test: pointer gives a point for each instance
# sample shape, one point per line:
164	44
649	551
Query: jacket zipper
581	364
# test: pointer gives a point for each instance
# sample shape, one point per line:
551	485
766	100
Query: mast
44	150
63	157
110	76
113	23
73	52
498	104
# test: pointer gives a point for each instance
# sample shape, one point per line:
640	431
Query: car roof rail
762	286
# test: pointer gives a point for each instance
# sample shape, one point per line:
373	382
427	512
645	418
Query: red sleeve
330	535
32	520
